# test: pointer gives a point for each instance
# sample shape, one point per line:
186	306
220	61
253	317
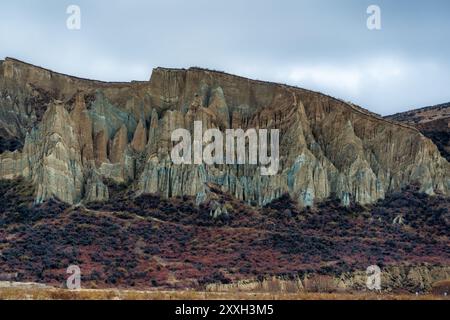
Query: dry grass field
14	293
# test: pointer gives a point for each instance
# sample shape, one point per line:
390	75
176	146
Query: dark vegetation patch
147	241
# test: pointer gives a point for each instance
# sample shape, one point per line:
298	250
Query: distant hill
433	122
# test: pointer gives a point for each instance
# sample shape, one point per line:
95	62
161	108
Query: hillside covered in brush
152	242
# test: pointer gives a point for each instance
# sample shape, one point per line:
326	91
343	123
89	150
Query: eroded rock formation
76	132
433	122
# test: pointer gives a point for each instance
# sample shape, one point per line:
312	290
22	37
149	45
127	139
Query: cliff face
433	122
76	132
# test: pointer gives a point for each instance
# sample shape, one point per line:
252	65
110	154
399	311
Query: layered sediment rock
83	128
118	145
123	132
140	137
393	278
101	147
96	190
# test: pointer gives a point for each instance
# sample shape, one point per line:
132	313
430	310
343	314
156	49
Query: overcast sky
319	45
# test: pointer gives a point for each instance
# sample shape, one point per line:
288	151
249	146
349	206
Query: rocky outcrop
410	278
402	278
101	147
96	190
83	128
433	122
327	147
140	137
54	157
